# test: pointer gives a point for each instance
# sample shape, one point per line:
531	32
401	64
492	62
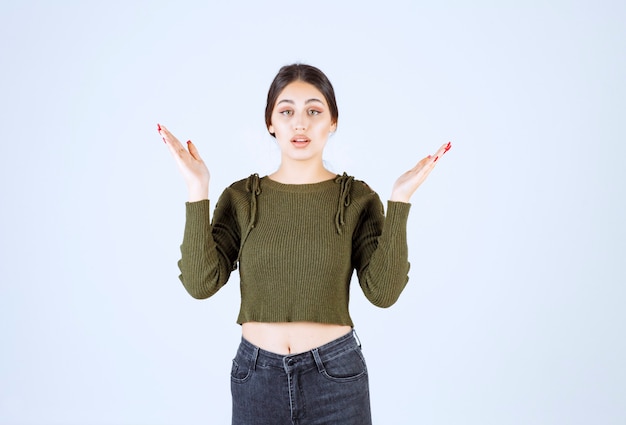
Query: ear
271	129
333	127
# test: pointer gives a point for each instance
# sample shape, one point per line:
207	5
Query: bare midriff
292	337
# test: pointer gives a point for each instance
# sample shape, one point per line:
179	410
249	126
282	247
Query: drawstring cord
253	185
345	182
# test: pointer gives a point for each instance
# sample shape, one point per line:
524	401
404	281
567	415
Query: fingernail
448	146
436	158
159	128
164	140
188	141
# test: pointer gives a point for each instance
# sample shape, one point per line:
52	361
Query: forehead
300	91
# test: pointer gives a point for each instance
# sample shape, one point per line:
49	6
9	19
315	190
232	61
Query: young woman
296	236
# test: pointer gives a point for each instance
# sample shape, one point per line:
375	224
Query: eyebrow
293	103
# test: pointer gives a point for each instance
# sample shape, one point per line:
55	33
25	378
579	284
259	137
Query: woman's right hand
191	166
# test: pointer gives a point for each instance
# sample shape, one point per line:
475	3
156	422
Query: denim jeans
327	385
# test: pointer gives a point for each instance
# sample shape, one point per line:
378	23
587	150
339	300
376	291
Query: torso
291	338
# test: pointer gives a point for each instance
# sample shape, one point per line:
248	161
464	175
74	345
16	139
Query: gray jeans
327	385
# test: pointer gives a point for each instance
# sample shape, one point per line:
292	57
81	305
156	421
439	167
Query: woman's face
301	122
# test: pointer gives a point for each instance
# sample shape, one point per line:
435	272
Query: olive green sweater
297	247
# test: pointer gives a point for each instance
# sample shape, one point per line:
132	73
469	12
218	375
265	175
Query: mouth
300	141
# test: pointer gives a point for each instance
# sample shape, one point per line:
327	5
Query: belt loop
318	360
255	356
356	337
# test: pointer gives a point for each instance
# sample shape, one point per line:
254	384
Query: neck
301	173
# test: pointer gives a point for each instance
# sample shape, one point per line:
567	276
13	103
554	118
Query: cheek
276	123
278	129
323	127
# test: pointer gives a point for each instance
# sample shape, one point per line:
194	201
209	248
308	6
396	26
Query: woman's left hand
408	182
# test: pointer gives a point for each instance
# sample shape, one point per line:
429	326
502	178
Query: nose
300	123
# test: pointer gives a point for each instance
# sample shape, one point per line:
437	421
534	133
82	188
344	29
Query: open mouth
300	141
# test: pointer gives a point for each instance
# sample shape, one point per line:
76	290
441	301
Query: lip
300	137
300	140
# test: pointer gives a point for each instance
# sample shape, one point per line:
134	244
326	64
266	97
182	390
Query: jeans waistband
312	357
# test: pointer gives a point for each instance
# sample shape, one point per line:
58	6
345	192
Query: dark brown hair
300	72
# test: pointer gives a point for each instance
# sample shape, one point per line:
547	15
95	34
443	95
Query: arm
380	252
209	251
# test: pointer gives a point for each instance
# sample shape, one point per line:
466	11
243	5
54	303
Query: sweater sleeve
380	252
209	251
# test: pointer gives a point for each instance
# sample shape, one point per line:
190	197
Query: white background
514	313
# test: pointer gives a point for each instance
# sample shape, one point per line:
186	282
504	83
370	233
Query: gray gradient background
515	309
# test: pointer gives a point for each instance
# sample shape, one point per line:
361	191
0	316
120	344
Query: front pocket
239	372
348	366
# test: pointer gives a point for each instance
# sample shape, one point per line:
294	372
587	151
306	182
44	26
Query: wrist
198	193
397	197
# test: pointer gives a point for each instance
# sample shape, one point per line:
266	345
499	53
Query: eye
314	112
286	112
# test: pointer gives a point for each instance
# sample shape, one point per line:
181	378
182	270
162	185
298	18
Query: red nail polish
448	146
159	127
436	158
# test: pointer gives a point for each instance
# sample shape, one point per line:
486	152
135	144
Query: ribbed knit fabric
297	247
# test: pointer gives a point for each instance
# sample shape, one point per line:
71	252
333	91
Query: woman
296	236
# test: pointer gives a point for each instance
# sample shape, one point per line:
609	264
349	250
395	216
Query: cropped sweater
297	247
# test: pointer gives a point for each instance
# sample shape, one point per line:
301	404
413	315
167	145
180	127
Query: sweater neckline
268	183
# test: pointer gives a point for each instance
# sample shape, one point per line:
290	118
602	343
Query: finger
441	151
168	137
193	151
165	133
176	148
159	130
422	163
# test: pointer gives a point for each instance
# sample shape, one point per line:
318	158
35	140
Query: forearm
386	274
204	268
